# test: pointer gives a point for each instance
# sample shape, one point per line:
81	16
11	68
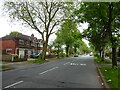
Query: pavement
75	72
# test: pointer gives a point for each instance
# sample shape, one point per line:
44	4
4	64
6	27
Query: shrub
96	55
15	56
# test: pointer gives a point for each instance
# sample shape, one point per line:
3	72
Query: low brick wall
20	59
8	58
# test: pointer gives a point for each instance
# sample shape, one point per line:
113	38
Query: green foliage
93	13
108	54
6	67
111	75
99	61
15	33
71	37
67	33
83	47
103	25
68	28
15	56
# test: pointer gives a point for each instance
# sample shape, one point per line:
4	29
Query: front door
21	53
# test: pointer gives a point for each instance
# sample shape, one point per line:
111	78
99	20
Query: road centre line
66	63
13	84
48	70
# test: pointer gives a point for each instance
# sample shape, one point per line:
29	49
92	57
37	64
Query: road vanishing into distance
74	72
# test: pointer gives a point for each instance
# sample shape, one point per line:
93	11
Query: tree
77	40
15	33
57	43
83	48
68	28
97	38
40	16
102	17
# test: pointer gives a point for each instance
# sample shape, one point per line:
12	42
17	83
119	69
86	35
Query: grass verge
52	58
99	61
37	61
4	68
55	58
111	75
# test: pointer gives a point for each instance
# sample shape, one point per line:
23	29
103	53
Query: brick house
22	45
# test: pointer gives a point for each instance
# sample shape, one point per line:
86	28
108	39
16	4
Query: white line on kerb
13	84
48	70
66	63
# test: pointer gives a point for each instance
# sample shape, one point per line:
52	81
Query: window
21	42
8	51
27	43
33	44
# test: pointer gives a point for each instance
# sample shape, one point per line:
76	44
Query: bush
15	56
96	55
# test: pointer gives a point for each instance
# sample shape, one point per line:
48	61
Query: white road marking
71	63
13	84
74	64
66	63
83	64
48	70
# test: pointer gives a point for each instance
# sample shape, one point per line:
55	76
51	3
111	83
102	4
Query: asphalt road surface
75	72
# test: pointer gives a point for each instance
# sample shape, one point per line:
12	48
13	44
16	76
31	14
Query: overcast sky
6	27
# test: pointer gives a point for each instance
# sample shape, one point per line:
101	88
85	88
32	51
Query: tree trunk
75	49
67	51
103	55
58	51
114	60
44	51
45	48
100	53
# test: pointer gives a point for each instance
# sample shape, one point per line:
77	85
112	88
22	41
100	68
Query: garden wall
9	58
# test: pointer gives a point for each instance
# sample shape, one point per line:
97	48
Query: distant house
22	45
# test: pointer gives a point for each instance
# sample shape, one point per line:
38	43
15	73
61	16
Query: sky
6	26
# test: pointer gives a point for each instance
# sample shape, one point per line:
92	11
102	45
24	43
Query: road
75	72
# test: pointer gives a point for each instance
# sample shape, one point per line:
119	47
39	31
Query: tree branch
54	14
39	16
31	18
52	27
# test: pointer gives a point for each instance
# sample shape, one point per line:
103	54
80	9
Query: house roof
23	37
8	37
11	37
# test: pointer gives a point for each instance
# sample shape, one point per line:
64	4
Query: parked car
32	56
35	56
76	55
